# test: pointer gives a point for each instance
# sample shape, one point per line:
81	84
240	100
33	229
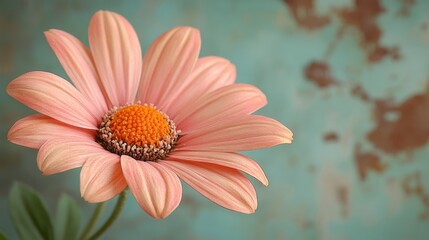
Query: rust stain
311	168
413	186
405	7
363	17
8	44
330	137
401	128
334	199
359	92
319	73
367	161
333	45
380	52
398	127
303	222
343	199
192	203
424	26
304	14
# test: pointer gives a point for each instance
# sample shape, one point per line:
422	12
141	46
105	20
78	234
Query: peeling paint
330	137
319	73
402	127
413	186
304	14
406	6
359	92
367	161
363	17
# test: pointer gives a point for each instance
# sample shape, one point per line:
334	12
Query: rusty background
350	78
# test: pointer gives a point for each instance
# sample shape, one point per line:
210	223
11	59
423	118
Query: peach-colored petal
53	96
34	130
101	177
156	189
61	154
167	63
78	64
209	74
117	54
241	133
212	115
226	159
229	101
224	186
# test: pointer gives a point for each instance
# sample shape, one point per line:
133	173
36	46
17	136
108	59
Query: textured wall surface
350	78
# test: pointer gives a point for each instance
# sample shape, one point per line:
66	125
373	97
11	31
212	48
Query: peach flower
145	123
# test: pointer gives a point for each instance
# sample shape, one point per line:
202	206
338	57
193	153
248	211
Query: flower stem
115	213
95	216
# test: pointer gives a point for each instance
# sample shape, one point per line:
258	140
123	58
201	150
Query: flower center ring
140	131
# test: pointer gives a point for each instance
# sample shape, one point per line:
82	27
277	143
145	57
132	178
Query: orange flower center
139	125
139	131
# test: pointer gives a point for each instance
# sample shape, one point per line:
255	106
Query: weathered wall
350	78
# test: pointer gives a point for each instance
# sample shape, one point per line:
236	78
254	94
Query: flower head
145	123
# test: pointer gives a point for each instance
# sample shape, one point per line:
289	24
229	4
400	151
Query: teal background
350	78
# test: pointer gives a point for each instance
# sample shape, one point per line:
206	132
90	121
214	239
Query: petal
34	130
78	64
224	186
117	54
101	177
167	63
209	74
55	97
62	154
226	159
157	189
241	133
230	101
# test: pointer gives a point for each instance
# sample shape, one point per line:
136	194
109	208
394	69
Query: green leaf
29	214
68	219
2	236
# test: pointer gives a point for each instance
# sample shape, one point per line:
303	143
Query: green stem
116	211
95	216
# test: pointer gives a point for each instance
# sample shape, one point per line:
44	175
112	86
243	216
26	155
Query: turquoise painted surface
348	77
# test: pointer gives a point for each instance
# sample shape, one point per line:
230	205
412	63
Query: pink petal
226	159
62	154
241	133
34	130
224	186
101	177
78	64
230	101
157	190
117	54
209	74
167	63
55	97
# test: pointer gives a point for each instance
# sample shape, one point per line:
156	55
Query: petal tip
249	209
9	89
191	32
98	13
12	139
10	133
51	32
289	137
265	182
188	28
